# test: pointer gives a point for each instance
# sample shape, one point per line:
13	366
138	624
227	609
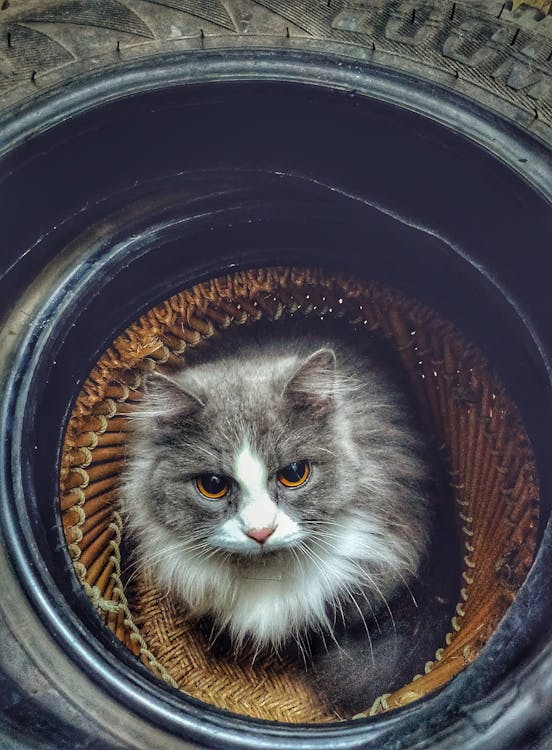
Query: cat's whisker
334	598
305	649
345	587
320	449
372	583
385	524
405	582
366	547
146	562
299	563
363	574
214	634
336	604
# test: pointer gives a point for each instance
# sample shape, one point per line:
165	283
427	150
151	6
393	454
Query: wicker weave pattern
491	469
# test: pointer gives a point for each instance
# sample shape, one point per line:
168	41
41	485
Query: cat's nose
260	535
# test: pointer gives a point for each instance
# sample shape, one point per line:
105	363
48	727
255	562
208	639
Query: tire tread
498	56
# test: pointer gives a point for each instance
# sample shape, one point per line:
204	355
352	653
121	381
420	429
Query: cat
282	487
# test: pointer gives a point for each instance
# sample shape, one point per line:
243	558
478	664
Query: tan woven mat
491	468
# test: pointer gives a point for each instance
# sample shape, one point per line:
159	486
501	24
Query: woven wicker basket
490	462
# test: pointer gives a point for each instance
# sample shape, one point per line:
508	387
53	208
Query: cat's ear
168	400
313	383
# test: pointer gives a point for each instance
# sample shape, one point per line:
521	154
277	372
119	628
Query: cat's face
256	509
244	464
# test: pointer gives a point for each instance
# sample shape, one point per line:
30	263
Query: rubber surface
482	50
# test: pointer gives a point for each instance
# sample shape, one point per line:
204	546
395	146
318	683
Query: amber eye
213	486
295	474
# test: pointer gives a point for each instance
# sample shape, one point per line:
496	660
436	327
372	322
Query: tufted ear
165	400
313	383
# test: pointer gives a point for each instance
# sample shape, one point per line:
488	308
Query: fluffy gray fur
347	542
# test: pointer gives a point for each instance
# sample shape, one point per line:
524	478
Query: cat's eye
294	474
212	486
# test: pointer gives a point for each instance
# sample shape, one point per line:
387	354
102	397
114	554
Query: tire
149	144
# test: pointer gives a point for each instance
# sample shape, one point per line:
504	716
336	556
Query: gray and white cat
282	489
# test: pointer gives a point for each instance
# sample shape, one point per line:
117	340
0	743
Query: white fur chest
267	600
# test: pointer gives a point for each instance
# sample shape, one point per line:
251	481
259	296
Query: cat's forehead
245	405
249	468
242	405
242	372
235	391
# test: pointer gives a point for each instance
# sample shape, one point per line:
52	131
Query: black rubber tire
485	51
472	80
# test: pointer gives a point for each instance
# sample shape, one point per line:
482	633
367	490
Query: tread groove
500	52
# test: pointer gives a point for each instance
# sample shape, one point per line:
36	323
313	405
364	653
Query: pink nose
260	535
